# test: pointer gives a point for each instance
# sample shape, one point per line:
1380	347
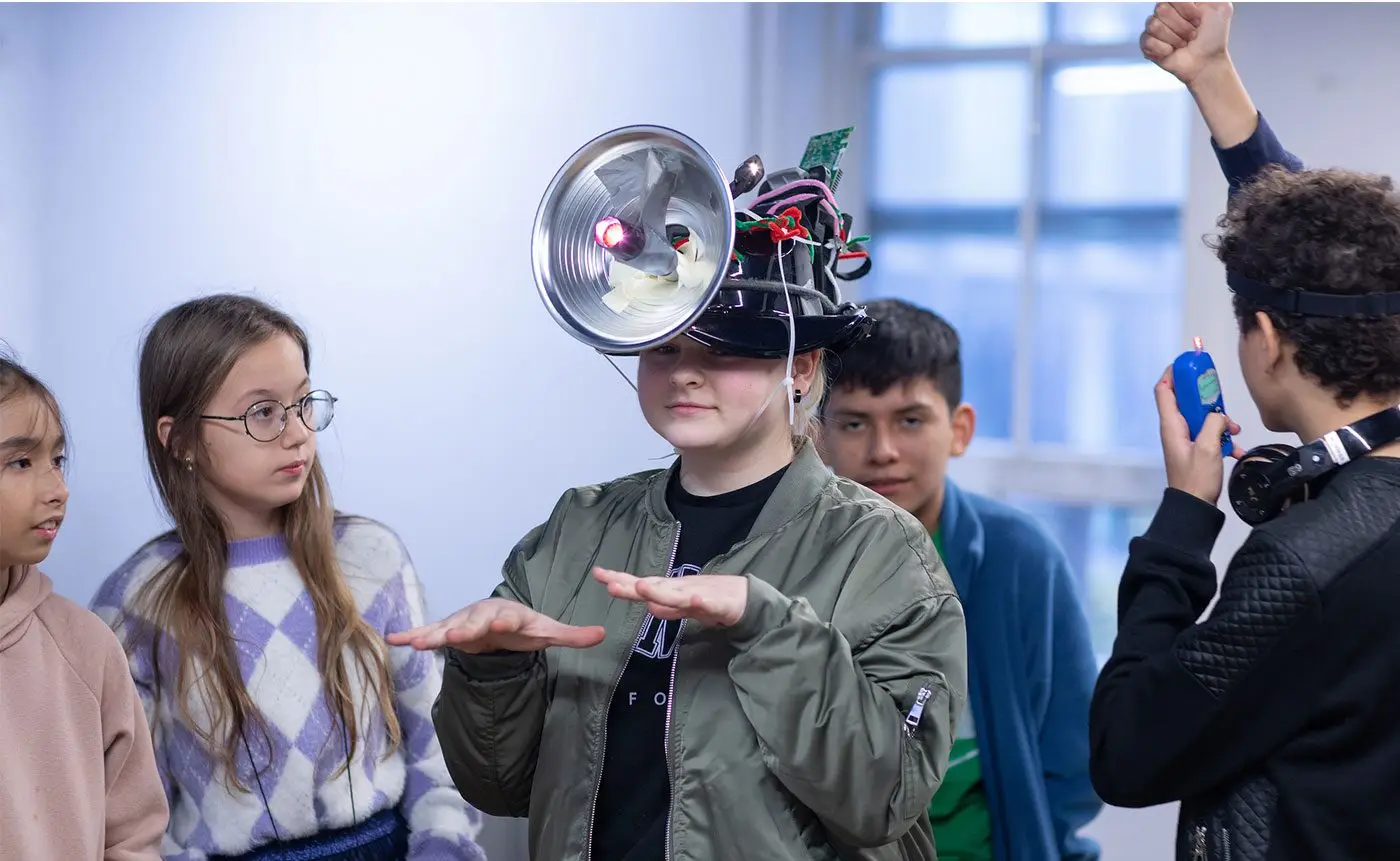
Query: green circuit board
826	150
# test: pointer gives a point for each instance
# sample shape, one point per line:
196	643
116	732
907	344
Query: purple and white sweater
275	625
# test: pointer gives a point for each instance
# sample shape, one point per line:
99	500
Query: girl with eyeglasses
283	726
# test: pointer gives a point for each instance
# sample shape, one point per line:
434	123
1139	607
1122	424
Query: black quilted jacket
1275	721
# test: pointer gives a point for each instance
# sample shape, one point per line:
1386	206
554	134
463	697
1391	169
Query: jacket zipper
670	773
1198	844
1225	842
598	780
670	695
916	712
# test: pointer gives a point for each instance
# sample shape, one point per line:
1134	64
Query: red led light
609	232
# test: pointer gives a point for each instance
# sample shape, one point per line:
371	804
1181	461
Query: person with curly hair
1275	721
1325	231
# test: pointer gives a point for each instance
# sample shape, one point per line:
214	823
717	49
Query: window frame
1005	468
831	50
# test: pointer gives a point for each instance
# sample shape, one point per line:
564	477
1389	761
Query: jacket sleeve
137	813
440	825
1059	637
833	718
490	711
1243	162
1181	706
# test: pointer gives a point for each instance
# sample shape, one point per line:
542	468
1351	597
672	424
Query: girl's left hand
710	599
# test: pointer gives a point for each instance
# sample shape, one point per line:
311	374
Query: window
1026	180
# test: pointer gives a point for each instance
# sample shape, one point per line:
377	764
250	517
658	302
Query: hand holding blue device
1198	394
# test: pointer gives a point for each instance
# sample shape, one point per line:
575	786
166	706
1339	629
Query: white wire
787	381
792	343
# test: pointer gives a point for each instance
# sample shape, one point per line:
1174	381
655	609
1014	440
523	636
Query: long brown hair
186	357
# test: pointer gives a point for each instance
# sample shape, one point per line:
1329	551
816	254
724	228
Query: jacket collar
799	487
962	536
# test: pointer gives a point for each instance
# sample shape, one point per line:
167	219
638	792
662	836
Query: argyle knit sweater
298	758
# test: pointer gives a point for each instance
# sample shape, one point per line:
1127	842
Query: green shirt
962	824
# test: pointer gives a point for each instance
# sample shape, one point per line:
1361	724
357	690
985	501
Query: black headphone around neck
1271	477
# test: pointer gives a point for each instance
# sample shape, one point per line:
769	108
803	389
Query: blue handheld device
1198	393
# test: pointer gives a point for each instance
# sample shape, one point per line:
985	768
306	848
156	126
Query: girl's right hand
495	625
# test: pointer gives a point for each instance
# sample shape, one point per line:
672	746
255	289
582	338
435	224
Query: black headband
1314	304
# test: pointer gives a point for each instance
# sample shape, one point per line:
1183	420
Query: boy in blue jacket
1017	787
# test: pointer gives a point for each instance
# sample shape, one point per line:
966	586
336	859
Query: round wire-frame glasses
265	421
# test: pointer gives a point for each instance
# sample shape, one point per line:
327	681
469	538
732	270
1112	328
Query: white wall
20	47
374	170
1321	77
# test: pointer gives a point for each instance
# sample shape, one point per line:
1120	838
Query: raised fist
1187	38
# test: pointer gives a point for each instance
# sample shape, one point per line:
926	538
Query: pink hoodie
78	779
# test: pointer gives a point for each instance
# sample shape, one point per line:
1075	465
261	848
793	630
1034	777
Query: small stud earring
189	464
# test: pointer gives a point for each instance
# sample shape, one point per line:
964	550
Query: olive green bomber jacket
818	727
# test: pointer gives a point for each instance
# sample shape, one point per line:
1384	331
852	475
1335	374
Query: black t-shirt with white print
635	796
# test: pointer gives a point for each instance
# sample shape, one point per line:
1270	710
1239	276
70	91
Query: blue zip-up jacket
1031	675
